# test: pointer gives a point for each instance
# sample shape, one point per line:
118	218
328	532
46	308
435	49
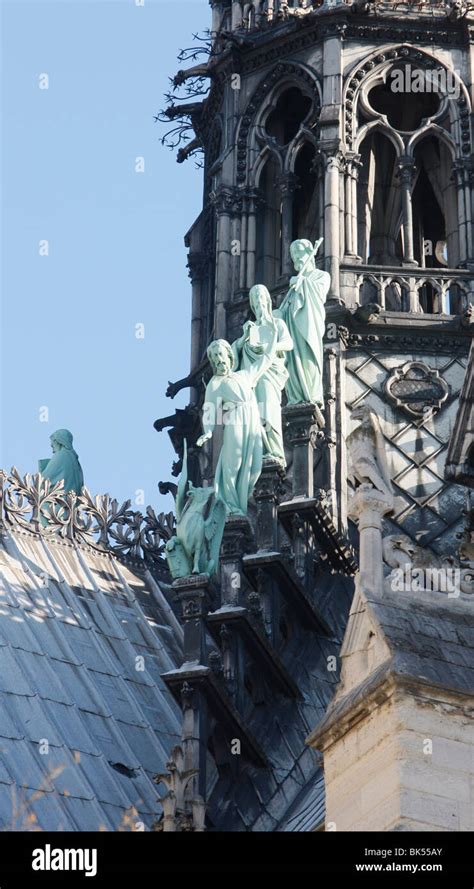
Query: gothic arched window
269	230
379	202
307	222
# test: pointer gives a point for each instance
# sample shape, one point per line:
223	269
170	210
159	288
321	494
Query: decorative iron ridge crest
32	504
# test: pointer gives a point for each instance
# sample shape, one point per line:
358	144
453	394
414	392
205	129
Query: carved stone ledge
237	537
202	680
302	422
267	494
258	646
237	540
193	593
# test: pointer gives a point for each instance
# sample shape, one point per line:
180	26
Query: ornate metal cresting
32	504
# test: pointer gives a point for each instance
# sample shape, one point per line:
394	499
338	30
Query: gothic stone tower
351	122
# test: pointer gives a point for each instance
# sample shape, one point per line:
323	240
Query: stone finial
179	812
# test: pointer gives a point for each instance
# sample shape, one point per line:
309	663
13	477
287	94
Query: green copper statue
303	311
255	342
200	520
230	398
64	464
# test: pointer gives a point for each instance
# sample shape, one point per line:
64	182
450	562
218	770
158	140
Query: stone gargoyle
200	520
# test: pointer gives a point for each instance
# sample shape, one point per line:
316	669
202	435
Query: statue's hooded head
260	301
221	356
300	252
62	438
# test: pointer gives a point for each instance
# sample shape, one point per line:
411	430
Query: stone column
330	457
193	594
236	542
216	15
194	736
236	14
267	494
406	172
461	179
198	266
253	198
368	507
351	173
302	422
288	184
332	205
227	202
243	251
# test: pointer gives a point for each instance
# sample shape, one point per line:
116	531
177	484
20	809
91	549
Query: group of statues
280	349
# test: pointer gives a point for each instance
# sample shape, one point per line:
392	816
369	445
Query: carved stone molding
270	485
417	389
198	265
237	538
280	71
302	422
367	507
403	342
404	54
182	811
227	200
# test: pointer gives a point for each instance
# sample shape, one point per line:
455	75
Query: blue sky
116	252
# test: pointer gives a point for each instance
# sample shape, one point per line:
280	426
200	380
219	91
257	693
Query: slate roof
290	795
430	635
430	638
73	621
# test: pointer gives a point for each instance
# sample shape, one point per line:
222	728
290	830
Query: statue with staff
304	314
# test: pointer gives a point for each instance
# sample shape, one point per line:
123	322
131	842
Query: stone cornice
379	688
265	47
399	330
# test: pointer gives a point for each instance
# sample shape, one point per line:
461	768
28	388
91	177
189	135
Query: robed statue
248	349
64	464
230	399
200	520
304	314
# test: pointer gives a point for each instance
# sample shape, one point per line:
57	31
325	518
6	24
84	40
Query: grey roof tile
12	677
307	811
146	746
32	718
71	725
63	658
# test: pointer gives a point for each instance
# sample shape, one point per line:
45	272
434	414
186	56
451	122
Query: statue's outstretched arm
209	412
